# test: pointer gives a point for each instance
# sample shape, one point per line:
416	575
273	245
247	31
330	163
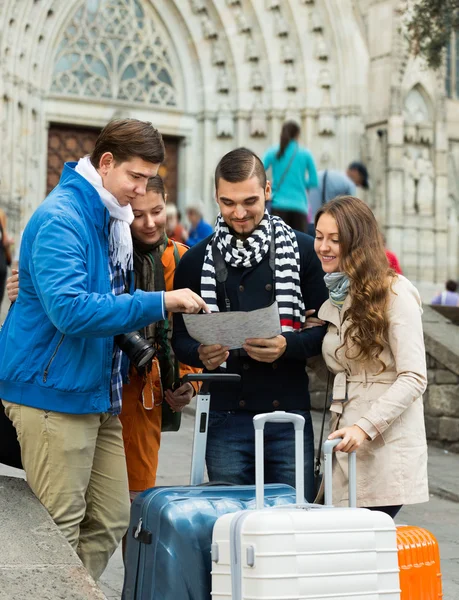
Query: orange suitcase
419	562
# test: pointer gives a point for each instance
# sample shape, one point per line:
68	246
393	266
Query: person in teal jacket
293	174
60	370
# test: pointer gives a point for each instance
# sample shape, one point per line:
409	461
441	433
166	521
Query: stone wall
36	561
441	400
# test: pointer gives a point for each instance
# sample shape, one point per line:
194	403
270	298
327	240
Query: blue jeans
230	455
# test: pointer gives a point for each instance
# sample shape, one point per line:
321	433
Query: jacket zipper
45	374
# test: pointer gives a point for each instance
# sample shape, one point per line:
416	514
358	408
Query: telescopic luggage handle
329	445
201	423
259	422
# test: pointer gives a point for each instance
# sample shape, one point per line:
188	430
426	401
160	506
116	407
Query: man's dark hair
362	171
239	165
127	139
451	285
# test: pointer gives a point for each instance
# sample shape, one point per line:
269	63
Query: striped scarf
250	252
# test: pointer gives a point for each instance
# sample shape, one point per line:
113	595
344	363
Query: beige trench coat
392	465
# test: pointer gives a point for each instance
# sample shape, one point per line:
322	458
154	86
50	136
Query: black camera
137	349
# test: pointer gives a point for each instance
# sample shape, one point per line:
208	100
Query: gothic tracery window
112	49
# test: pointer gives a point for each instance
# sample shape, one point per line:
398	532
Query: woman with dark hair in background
293	174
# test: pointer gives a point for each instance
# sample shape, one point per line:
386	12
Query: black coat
283	384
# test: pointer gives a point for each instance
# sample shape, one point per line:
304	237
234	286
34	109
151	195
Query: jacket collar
88	195
330	313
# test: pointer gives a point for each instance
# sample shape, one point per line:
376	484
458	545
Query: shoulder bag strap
284	174
324	188
324	412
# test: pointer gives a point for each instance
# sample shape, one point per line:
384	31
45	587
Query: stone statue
225	122
411	178
426	184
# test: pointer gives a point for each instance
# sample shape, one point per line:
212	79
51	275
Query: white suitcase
304	552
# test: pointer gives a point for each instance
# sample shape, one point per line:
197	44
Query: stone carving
251	51
256	80
223	83
325	79
316	22
242	23
273	4
225	122
291	80
218	56
426	185
288	53
208	28
258	119
326	115
321	50
198	6
113	49
411	178
282	28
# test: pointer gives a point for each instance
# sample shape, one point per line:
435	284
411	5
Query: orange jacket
141	411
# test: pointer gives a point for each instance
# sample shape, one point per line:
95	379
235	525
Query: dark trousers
230	452
3	276
392	511
295	219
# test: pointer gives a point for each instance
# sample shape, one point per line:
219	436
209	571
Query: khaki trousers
76	466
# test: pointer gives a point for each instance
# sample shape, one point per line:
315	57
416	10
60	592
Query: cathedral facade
216	74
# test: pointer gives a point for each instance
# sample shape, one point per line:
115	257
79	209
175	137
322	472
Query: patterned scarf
250	252
121	217
149	277
338	285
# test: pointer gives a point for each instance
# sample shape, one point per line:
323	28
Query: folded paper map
233	328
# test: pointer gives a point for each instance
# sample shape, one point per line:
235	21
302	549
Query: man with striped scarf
252	260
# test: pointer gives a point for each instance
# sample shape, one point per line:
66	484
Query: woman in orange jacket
155	260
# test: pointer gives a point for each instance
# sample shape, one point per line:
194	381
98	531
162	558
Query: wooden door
69	143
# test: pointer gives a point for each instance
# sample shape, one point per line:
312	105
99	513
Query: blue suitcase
168	552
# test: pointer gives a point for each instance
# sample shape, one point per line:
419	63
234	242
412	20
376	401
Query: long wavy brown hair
364	260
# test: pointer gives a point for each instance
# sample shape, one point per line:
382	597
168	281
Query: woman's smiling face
149	217
326	243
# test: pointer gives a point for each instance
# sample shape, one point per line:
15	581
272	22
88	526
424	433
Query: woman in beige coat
375	348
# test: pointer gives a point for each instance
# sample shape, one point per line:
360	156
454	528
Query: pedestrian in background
293	174
394	263
375	348
449	297
333	183
199	228
174	228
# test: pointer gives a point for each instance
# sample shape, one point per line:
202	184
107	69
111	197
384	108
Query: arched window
112	49
452	67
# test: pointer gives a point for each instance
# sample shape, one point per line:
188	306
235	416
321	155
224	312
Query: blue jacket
301	175
56	343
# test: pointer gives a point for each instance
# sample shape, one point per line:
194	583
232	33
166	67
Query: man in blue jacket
60	371
252	260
